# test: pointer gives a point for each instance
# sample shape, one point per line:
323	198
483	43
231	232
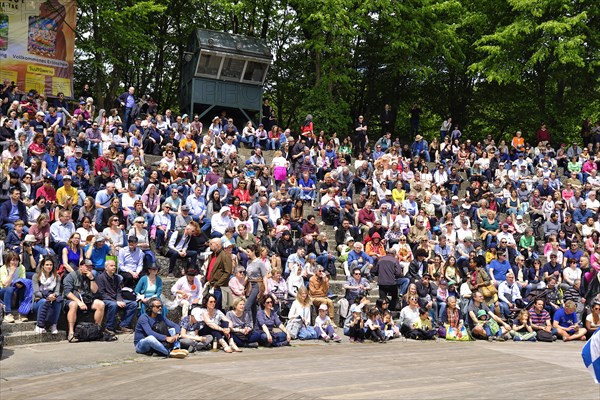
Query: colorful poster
37	44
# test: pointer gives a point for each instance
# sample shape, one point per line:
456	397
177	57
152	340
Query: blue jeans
150	343
38	309
6	295
279	339
402	285
111	313
253	337
41	251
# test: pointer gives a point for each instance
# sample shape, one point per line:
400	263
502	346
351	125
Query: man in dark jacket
418	266
13	210
219	269
389	270
110	285
148	340
127	100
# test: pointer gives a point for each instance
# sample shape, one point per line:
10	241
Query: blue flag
591	355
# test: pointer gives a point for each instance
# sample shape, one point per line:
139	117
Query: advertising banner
37	44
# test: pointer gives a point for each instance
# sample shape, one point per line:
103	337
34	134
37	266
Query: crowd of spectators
463	239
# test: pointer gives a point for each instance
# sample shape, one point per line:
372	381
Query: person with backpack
80	292
155	333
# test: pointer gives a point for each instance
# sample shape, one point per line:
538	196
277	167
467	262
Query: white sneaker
39	330
9	318
54	330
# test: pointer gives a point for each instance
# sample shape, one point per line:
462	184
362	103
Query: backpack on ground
88	332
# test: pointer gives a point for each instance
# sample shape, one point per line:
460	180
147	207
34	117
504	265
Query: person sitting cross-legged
149	340
566	324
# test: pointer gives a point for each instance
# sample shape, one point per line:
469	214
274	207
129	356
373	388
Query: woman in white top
279	167
410	314
301	306
571	273
274	211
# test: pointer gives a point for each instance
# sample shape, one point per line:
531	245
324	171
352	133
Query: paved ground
414	370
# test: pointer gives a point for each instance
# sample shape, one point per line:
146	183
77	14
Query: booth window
255	71
232	68
208	65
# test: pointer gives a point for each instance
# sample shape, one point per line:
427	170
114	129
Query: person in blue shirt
572	252
357	258
566	324
97	251
498	269
148	341
78	160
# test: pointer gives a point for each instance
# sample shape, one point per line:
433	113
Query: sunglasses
159	307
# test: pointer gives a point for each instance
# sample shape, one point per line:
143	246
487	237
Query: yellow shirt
185	141
62	193
398	195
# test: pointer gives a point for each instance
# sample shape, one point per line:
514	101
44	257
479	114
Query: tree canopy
495	66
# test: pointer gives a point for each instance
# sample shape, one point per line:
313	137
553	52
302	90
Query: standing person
387	122
360	135
148	340
257	276
445	128
389	270
415	118
220	266
127	100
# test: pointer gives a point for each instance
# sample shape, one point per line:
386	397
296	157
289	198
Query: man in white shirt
593	179
228	147
61	231
509	295
178	247
131	262
592	203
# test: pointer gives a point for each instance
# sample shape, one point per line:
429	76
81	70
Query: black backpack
88	332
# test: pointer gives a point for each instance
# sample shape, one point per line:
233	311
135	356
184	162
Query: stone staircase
22	333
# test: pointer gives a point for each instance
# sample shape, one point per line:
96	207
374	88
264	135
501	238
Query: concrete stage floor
411	370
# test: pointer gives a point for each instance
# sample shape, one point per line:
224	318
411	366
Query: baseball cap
185	208
323	307
197	313
67	177
356	308
100	237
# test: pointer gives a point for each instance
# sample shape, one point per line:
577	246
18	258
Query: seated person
110	286
97	251
242	329
187	290
509	295
522	329
81	296
566	324
46	292
216	324
354	324
324	326
147	340
10	273
318	288
178	246
540	318
190	326
267	319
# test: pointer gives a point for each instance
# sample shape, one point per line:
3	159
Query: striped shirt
539	319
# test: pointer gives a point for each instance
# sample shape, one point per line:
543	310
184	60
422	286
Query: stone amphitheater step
22	333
